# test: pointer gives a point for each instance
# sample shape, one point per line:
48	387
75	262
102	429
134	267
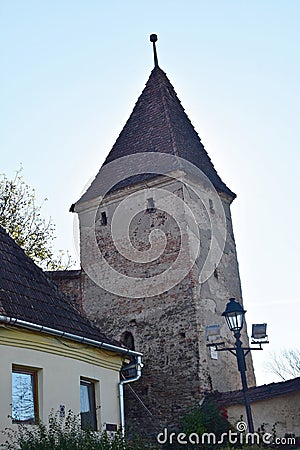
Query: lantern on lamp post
234	315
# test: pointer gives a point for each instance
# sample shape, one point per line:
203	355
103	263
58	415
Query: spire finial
153	39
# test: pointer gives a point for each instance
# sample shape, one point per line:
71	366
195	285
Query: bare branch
285	365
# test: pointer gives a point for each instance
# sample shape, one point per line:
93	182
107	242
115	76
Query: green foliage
207	418
22	220
66	434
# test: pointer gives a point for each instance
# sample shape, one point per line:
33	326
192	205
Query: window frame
33	371
92	402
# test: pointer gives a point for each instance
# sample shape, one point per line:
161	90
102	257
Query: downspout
114	348
139	366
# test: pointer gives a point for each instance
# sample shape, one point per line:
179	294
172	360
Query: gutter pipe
138	366
73	337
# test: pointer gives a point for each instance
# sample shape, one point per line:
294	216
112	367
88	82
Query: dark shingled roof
159	123
258	393
27	294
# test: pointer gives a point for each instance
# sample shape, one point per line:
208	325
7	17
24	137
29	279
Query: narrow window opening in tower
103	218
129	370
150	205
128	340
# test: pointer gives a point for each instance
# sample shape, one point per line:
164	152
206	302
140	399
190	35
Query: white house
52	357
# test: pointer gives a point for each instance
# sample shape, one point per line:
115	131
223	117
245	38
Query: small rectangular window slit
103	218
150	205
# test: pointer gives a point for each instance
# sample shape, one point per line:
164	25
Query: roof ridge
167	112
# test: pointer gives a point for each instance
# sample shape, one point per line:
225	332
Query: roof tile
27	294
158	123
258	393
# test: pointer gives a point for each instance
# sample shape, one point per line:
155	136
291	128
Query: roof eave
62	334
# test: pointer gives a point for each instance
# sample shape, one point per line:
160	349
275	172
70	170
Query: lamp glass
235	321
234	315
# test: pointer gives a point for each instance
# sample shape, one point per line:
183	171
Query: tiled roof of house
257	393
159	124
27	294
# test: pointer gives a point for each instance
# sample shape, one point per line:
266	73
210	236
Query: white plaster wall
59	384
283	410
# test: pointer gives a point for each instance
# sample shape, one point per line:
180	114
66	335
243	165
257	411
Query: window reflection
24	401
87	405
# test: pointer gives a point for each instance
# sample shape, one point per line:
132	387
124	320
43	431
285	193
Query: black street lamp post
242	368
234	315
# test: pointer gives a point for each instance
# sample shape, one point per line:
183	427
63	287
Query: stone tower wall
168	328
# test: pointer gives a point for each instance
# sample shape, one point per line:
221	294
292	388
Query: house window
24	395
103	218
88	405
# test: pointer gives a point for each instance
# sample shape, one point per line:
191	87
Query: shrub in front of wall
207	418
66	434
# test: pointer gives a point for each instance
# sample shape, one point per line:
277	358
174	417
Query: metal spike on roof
153	39
158	123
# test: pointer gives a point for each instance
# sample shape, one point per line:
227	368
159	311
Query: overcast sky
73	70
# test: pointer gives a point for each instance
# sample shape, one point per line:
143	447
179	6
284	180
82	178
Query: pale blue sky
73	70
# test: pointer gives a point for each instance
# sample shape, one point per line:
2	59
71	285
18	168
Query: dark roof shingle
158	123
27	294
258	393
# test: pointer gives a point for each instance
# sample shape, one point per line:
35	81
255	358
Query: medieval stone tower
158	257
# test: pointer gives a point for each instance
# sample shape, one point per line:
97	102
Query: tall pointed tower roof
158	123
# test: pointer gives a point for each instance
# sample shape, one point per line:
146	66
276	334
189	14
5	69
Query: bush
66	434
207	418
